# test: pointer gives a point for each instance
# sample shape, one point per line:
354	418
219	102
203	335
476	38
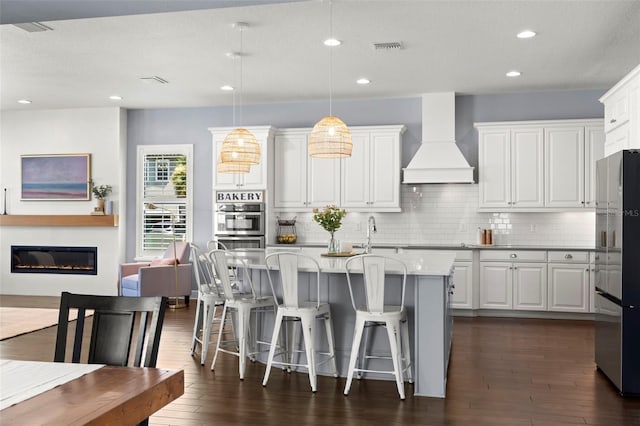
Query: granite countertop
440	264
454	246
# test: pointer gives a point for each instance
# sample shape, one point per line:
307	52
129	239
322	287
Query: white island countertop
433	263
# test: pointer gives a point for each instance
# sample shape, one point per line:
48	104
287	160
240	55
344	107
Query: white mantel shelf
59	220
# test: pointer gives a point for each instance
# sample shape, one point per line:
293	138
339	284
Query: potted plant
100	192
330	218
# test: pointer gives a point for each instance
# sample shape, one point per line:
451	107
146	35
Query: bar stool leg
272	350
393	331
355	348
222	322
196	327
328	325
406	350
308	332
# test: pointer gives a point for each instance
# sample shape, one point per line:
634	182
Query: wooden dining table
105	395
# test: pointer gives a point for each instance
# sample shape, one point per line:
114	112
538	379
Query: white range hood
438	160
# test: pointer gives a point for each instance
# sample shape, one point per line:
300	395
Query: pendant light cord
330	58
240	86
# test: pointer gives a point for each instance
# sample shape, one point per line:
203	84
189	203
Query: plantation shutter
165	200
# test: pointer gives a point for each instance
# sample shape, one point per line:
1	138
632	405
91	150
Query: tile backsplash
447	214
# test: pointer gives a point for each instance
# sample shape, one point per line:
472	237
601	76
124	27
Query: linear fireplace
54	260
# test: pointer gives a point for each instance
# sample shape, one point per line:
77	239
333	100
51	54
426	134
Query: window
164	198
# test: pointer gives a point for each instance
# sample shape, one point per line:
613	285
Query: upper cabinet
369	180
538	165
371	176
622	114
257	176
302	182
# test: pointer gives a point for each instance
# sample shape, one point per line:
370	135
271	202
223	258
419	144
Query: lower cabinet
513	280
569	281
517	285
462	296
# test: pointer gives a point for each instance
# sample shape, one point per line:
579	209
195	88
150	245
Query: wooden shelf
58	220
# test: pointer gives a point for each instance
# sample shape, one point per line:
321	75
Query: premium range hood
438	160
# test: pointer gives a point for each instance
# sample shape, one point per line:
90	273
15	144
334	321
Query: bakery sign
240	196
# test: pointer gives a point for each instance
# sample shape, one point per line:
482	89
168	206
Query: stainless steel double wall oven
239	219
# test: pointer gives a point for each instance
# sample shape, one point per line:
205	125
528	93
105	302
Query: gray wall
189	126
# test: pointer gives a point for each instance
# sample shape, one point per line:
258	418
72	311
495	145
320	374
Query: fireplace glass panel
54	260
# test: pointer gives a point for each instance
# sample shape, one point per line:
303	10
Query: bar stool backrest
202	271
374	269
288	264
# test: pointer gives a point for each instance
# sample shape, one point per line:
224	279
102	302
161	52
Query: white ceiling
461	46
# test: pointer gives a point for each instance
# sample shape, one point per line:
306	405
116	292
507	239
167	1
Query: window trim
142	152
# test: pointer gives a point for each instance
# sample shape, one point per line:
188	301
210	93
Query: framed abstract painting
56	177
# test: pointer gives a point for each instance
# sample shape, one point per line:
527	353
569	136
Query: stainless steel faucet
371	226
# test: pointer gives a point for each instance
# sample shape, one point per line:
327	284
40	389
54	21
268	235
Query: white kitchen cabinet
511	167
513	280
568	287
538	165
462	297
594	140
371	176
569	281
302	182
257	176
622	114
571	152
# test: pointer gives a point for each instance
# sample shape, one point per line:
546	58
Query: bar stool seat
303	311
372	312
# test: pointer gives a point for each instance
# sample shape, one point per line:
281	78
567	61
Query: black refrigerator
617	298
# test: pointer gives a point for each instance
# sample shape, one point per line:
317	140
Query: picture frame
63	177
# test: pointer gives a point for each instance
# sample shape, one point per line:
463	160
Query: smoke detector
389	45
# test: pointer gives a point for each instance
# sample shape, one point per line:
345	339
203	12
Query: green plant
330	218
179	177
100	191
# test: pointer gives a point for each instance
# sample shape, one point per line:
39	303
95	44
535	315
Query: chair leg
222	321
272	349
355	348
209	313
196	328
244	322
328	325
362	360
406	350
308	333
393	330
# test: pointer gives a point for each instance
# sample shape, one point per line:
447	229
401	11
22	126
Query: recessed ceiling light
115	97
24	101
331	42
513	74
526	34
363	81
226	87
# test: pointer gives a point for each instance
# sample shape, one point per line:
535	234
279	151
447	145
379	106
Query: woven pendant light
330	137
230	167
240	147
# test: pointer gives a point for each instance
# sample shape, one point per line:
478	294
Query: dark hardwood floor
502	372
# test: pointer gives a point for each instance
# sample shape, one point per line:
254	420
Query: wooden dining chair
112	332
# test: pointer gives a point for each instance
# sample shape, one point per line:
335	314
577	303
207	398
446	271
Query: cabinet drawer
464	255
568	256
513	255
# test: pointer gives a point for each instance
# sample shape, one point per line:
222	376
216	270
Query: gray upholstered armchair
158	278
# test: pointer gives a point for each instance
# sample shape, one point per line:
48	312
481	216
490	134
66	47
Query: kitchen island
427	296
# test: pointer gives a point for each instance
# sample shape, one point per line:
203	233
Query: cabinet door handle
568	256
613	120
582	202
513	255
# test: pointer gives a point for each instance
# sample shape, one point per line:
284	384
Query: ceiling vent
390	45
33	27
154	80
